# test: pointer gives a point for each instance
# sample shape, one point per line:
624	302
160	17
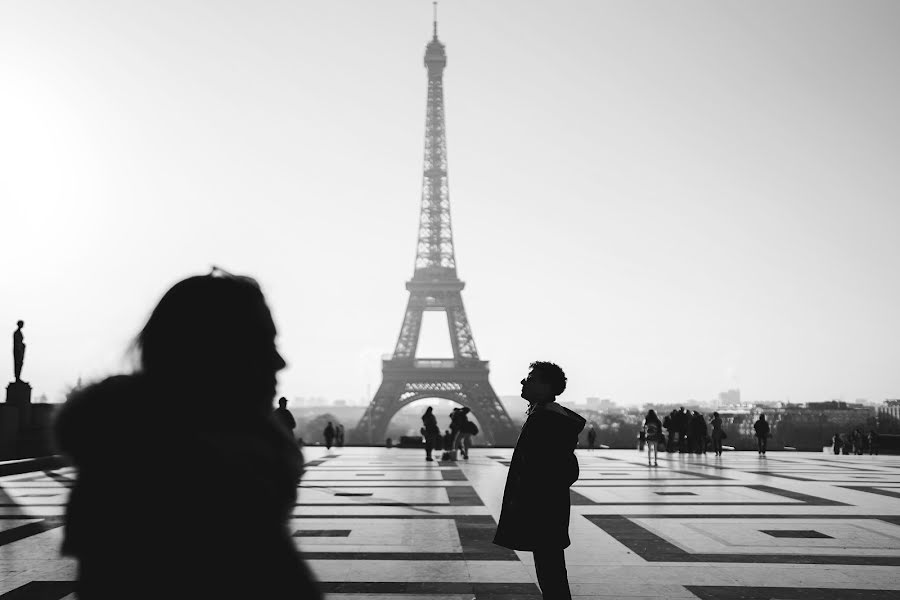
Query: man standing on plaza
284	417
762	433
536	505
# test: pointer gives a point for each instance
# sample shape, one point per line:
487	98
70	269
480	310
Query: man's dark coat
535	513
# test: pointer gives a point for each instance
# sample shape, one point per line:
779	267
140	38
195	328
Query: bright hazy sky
669	199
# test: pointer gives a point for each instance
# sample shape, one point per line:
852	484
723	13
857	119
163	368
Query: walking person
329	435
836	443
653	428
339	436
430	432
761	427
200	404
466	430
536	504
592	437
718	434
455	423
873	442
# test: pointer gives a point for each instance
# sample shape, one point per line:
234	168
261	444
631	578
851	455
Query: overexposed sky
668	199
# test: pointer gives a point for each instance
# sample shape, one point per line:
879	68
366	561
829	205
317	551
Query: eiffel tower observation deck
435	286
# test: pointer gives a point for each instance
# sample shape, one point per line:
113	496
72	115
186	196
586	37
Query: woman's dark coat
176	501
535	513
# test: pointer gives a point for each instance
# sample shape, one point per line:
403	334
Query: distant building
730	398
599	404
889	410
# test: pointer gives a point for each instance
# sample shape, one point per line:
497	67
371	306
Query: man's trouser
550	565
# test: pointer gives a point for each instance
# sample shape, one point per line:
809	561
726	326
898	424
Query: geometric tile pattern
376	524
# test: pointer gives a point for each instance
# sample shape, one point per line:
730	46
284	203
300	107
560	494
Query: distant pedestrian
430	432
653	428
681	428
329	435
873	442
466	430
339	436
536	500
455	423
836	443
669	426
860	441
592	437
447	440
698	432
761	427
718	433
284	417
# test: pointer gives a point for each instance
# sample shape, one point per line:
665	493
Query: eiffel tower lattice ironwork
435	287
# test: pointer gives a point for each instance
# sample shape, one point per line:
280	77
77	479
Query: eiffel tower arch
435	286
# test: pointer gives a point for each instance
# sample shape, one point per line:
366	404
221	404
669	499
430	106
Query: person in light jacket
536	505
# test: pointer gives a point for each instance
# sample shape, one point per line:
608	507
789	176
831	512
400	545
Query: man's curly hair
552	374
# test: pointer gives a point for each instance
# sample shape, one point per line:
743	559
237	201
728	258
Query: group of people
688	433
333	435
456	439
212	448
856	442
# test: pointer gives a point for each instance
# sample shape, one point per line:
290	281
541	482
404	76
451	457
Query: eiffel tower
435	286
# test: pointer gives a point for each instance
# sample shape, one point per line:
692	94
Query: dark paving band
654	548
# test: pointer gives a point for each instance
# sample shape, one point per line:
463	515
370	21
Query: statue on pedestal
18	350
18	392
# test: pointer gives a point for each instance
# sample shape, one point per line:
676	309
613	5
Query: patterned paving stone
377	523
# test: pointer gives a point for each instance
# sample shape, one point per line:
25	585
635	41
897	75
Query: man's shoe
429	459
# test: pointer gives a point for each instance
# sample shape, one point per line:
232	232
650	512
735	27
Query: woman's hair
651	414
212	331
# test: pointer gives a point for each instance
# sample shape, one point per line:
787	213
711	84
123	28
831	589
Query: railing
434	363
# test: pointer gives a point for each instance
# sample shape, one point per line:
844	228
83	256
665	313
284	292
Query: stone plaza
379	523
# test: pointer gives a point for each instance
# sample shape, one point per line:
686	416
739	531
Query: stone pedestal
18	393
9	430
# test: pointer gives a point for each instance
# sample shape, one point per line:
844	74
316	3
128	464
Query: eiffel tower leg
372	427
497	428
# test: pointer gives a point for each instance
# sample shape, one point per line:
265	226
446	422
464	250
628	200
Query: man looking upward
536	505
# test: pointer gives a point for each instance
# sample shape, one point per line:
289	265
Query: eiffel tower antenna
434	4
435	286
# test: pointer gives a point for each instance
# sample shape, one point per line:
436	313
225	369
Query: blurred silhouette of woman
185	481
